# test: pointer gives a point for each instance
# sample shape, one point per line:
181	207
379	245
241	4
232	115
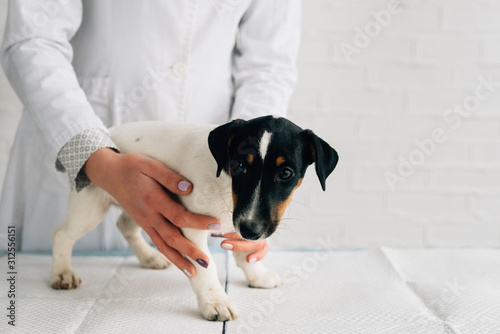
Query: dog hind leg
147	255
258	276
86	210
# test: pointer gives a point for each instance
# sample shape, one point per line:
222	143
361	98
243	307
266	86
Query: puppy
243	173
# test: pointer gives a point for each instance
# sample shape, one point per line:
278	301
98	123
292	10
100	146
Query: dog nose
250	231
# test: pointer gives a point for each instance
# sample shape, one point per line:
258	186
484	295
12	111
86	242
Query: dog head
266	158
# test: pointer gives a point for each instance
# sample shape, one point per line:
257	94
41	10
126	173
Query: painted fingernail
187	273
215	227
227	246
202	263
183	185
252	260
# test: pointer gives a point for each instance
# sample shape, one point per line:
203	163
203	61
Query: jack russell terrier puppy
243	174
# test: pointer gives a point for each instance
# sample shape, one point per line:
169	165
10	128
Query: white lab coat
92	64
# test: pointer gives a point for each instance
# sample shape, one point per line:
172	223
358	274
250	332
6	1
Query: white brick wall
372	107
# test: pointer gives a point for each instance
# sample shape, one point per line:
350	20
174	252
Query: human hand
235	243
138	184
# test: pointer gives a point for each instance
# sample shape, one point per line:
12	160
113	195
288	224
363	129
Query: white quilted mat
116	296
374	291
362	291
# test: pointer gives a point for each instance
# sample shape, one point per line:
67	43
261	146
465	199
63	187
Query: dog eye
285	174
239	167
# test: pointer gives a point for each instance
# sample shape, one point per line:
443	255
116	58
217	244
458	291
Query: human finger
172	254
229	235
174	238
259	254
169	179
180	217
257	249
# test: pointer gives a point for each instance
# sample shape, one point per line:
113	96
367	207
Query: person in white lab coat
80	67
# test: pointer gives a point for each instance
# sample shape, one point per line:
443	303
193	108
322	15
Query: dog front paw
65	280
265	280
155	260
219	309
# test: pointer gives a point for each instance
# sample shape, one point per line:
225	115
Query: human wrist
77	150
99	164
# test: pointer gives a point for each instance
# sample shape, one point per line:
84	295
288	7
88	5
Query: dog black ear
323	155
219	142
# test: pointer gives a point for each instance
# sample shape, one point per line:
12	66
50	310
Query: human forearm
74	154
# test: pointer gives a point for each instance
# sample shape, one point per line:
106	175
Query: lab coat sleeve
264	64
77	150
36	55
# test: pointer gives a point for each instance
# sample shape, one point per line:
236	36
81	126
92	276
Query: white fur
254	203
184	149
264	144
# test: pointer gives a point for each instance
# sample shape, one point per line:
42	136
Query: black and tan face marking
281	207
266	158
250	159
